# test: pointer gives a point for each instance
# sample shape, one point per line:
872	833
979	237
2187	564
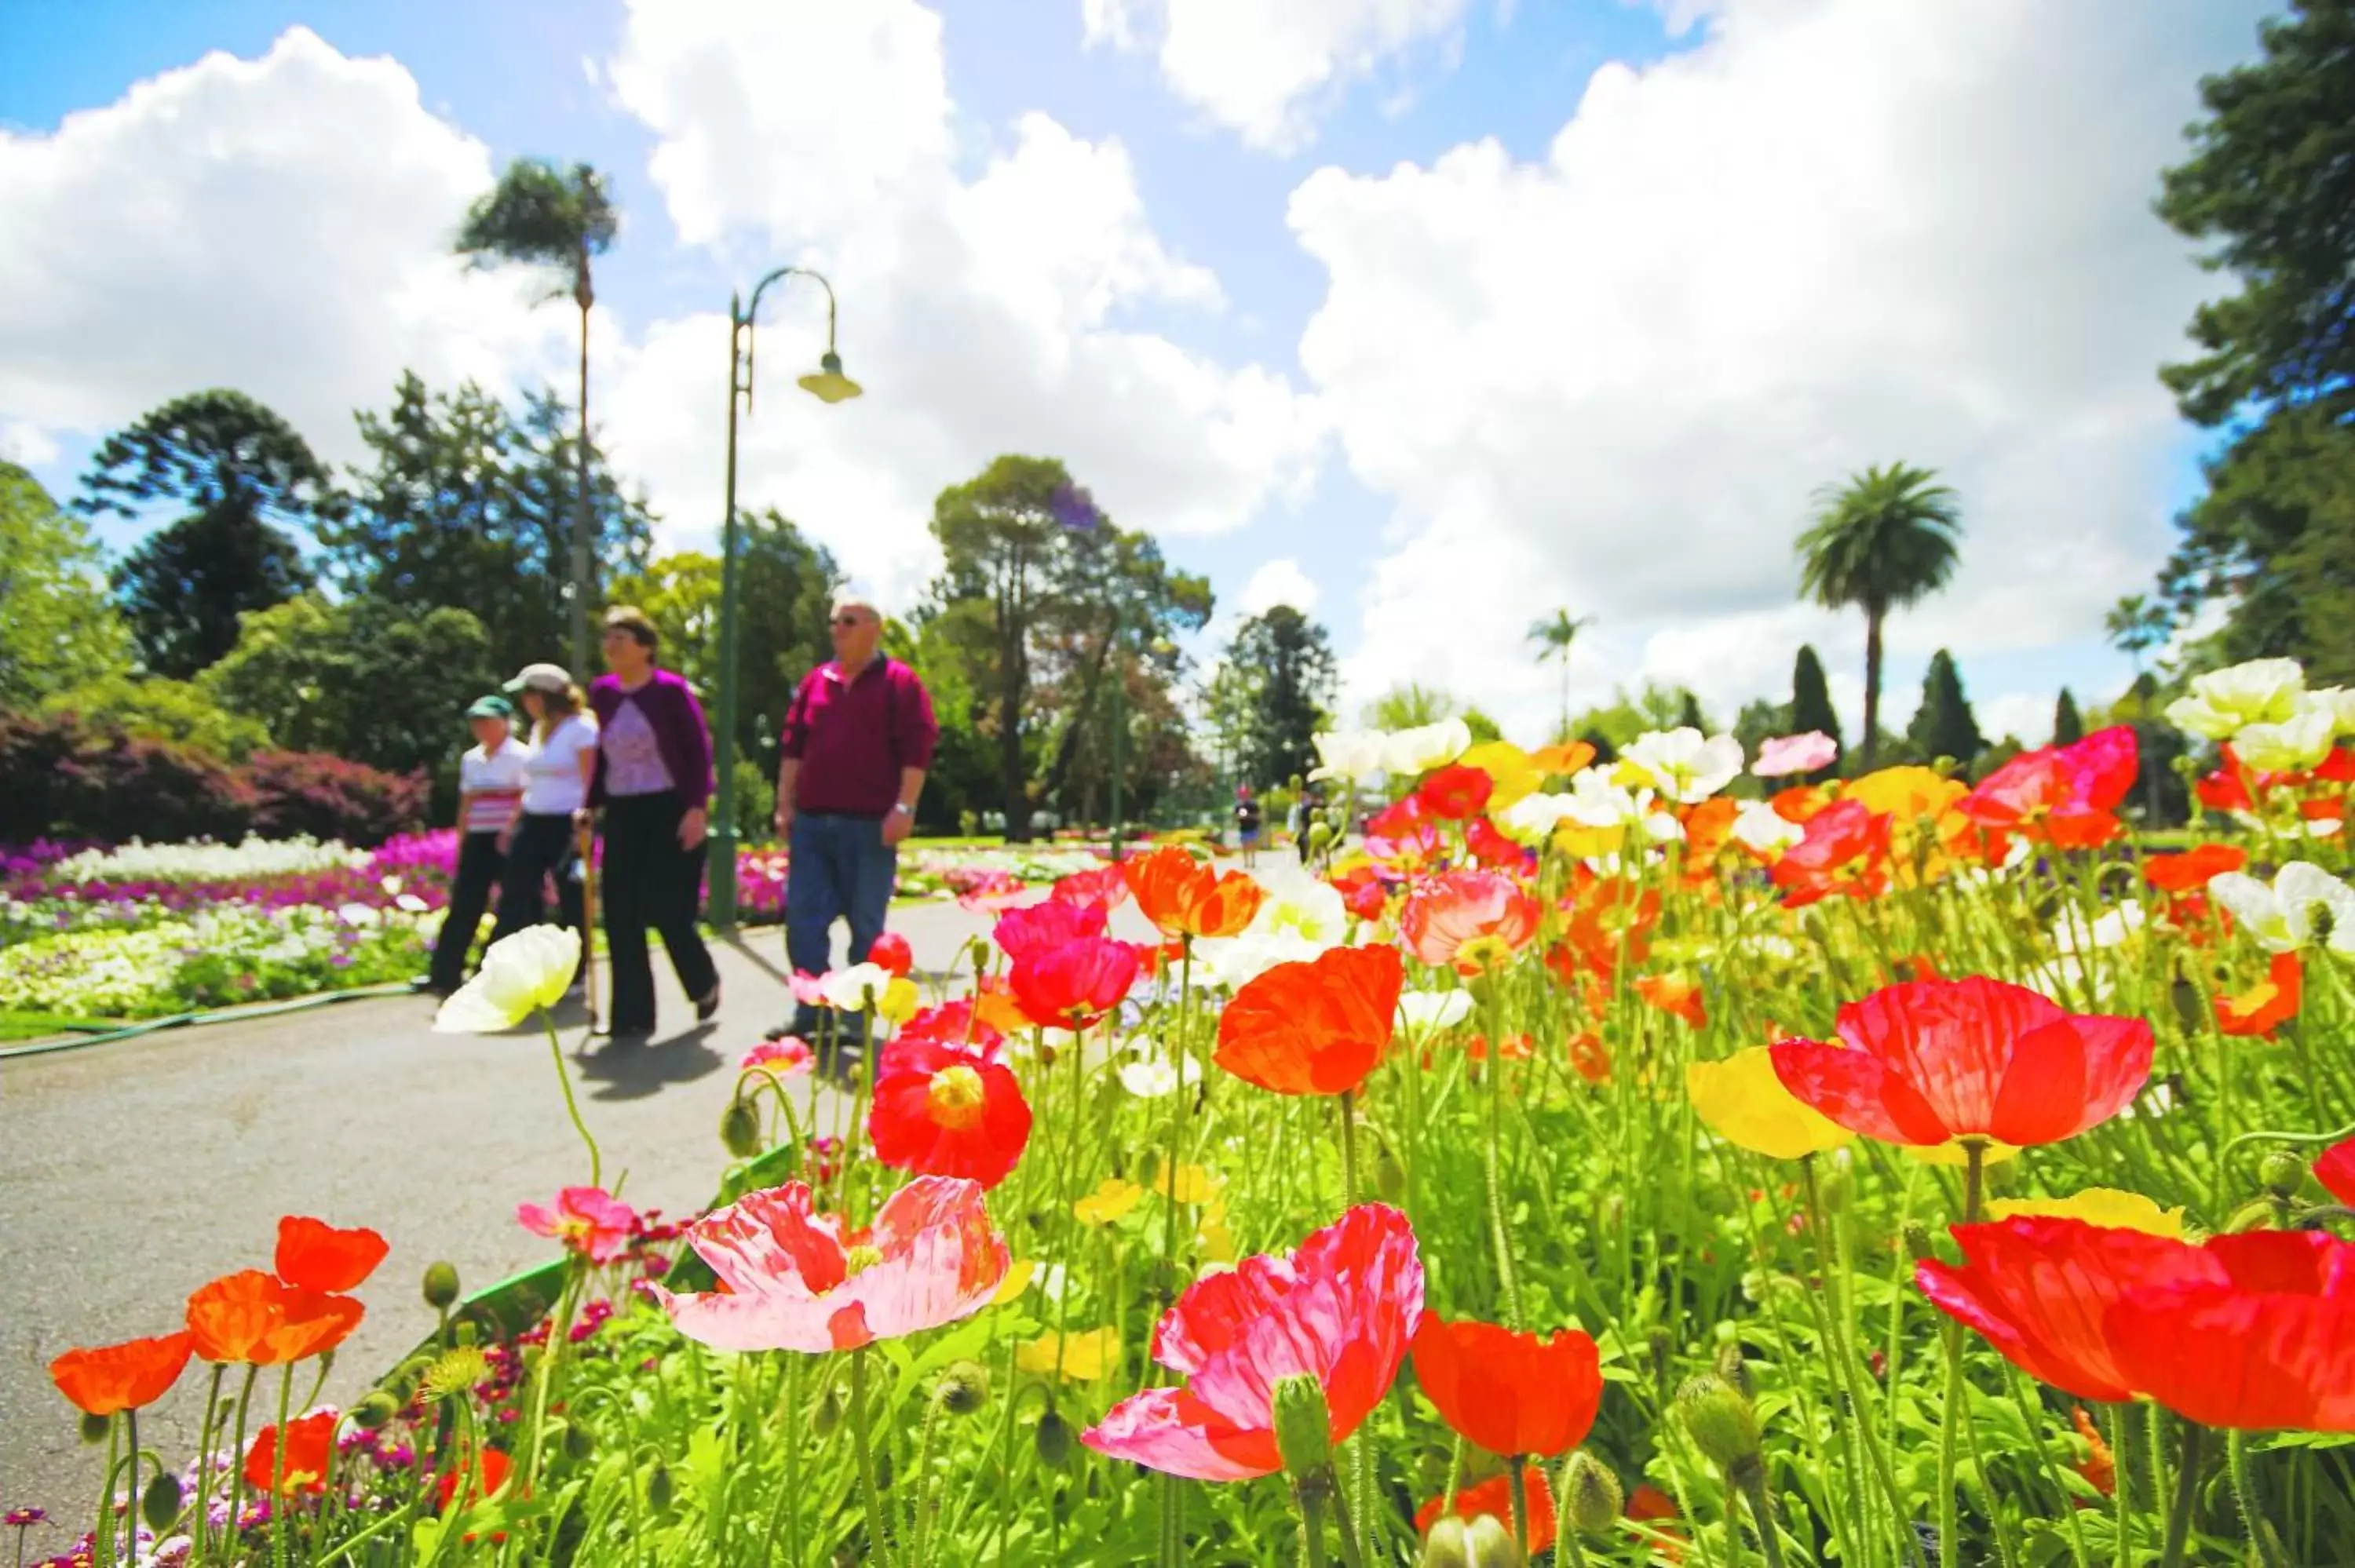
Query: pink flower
809	990
788	1056
587	1220
1789	754
993	890
1049	924
791	1279
1103	886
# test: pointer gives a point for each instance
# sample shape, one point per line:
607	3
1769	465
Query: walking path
134	1172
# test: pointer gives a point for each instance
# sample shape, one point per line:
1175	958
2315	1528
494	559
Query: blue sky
1378	228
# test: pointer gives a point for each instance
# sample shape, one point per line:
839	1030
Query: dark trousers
480	864
838	868
543	846
648	881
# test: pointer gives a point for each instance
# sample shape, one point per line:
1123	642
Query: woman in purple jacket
653	781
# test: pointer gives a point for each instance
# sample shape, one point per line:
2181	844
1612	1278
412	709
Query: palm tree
1883	540
543	216
1554	634
2136	626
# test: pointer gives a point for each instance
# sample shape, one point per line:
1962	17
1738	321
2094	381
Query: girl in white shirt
556	785
490	795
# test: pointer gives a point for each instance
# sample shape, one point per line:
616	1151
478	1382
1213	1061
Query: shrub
328	798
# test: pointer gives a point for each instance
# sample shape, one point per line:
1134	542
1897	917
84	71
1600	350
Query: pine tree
1690	716
1811	703
2068	725
1943	726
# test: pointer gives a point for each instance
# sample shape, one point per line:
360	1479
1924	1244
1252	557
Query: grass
40	1025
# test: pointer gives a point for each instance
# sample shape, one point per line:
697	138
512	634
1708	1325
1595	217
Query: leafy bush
306	794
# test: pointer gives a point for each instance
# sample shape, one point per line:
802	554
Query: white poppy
2263	691
2281	917
520	975
2298	742
855	988
1759	826
1420	1010
1355	755
1408	752
1681	763
1152	1078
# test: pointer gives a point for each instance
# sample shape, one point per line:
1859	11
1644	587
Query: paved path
131	1173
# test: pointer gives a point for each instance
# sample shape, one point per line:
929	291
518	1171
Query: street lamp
828	384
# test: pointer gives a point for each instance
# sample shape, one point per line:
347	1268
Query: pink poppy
1789	754
1341	1309
809	990
587	1220
792	1279
993	890
1479	910
788	1056
1103	885
1043	927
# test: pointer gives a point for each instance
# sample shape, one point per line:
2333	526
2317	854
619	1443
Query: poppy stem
1521	1488
1761	1510
236	1456
278	1468
1353	1554
572	1106
870	1495
1311	1499
1974	1178
2186	1492
205	1462
1349	1188
2245	1494
101	1535
1493	1162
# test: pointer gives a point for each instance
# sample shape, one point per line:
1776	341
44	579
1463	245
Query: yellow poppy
899	1002
1509	769
1905	793
1742	1100
1109	1201
1195	1185
1554	761
1084	1356
1216	1241
2104	1206
1017	1280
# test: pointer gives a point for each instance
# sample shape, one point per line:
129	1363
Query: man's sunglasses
847	621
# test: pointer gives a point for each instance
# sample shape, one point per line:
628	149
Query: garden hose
79	1035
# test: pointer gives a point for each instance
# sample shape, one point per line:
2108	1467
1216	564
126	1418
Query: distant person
1310	809
1247	822
540	844
490	797
855	744
653	781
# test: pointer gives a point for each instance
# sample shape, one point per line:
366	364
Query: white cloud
25	443
990	312
281	226
1833	232
1279	581
1266	69
2025	716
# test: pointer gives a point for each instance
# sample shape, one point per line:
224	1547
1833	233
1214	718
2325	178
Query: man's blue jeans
839	868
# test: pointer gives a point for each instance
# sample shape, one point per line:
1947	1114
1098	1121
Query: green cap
491	708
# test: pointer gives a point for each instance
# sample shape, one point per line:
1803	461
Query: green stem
237	1455
1761	1509
1312	1524
1521	1488
572	1106
790	1432
205	1443
2245	1494
1349	1188
870	1495
2187	1493
1353	1551
1950	1431
2122	1486
277	1469
131	1518
1492	1165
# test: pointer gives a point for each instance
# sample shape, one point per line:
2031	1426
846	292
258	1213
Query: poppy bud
658	1486
1662	1345
1481	1541
1320	835
1390	1177
376	1409
1053	1439
828	1416
1591	1495
964	1388
1720	1422
1735	1370
1838	1184
159	1504
94	1428
1917	1242
1304	1428
2283	1173
578	1441
740	1128
440	1285
2189	1012
468	1331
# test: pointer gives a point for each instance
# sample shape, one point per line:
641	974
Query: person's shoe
709	1005
623	1033
426	985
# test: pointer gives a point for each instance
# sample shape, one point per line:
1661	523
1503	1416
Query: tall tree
2136	626
1291	658
58	630
1943	726
2068	723
1554	634
1883	540
2267	187
1811	697
542	216
1410	706
245	476
1688	713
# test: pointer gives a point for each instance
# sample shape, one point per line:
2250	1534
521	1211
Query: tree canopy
1289	660
1885	539
57	629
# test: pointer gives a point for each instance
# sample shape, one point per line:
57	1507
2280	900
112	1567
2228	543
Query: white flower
2071	936
1681	763
2339	702
2263	691
1408	752
1759	826
520	975
2282	917
1154	1078
1594	801
359	915
411	904
1532	818
855	988
1354	755
1301	917
204	860
2298	742
1428	1010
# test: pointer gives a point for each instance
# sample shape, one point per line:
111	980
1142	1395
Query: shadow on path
634	1070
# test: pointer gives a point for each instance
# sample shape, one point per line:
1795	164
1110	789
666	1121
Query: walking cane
587	844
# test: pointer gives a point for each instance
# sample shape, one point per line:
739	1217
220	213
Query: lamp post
829	385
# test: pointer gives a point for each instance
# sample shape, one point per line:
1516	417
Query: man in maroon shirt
857	742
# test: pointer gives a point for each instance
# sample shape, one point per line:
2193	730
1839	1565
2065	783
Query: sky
1428	317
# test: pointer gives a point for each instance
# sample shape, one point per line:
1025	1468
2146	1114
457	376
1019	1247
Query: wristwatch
903	810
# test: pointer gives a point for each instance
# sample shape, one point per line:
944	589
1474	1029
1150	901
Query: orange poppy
1555	760
1184	897
2268	1005
2194	868
1494	1497
1314	1028
1590	1058
318	1256
1455	793
1510	1392
1709	824
310	1454
1515	1048
1675	993
257	1318
2100	1468
114	1378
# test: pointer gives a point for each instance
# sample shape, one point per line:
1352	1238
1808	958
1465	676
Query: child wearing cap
490	793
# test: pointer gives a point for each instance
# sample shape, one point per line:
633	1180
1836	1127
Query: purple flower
21	1517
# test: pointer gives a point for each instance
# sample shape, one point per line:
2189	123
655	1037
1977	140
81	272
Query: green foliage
2068	725
1410	706
150	707
1883	540
1943	726
247	477
1290	659
57	629
1654	707
540	216
1811	697
1482	728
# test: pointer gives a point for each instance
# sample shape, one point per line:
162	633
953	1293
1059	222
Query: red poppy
1489	847
1930	1061
1590	1058
2101	1467
2039	1288
310	1454
942	1110
1455	793
1844	855
2335	1171
1363	892
2338	768
2276	1335
2194	868
1185	898
1801	803
1105	886
1045	925
318	1256
1314	1028
2266	1005
890	952
1515	1048
1404	835
1675	994
2232	787
1341	1309
1511	1392
1494	1497
1474	920
1072	985
2065	796
1709	825
258	1319
1611	922
127	1376
481	1480
960	1022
